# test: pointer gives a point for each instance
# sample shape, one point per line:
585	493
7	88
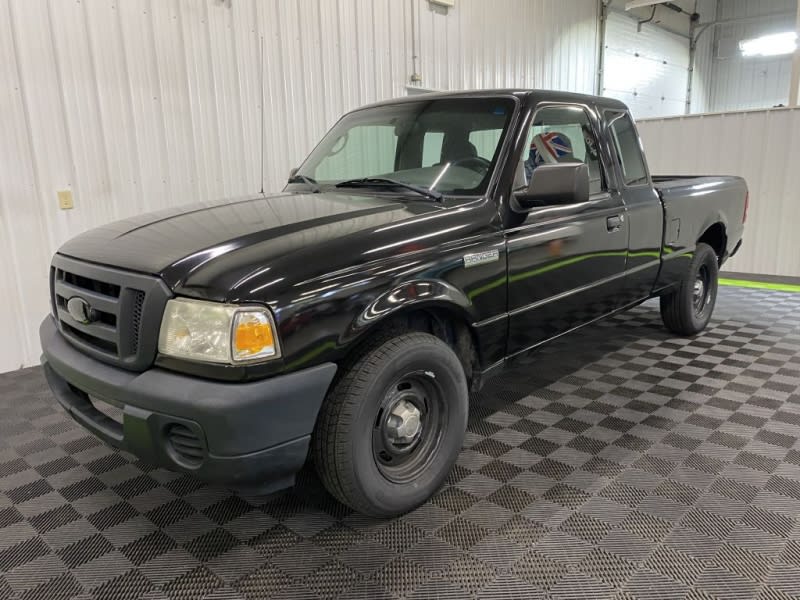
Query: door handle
615	222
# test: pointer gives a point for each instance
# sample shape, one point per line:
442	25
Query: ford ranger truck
424	245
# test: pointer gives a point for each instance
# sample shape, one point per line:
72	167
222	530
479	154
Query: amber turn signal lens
253	337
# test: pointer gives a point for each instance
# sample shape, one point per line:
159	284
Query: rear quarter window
629	152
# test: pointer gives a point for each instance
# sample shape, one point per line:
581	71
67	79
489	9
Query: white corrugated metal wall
528	43
738	82
703	61
647	69
763	146
144	104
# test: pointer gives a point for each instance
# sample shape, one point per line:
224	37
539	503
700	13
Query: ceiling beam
640	3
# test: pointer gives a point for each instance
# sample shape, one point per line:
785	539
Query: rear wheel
393	425
687	310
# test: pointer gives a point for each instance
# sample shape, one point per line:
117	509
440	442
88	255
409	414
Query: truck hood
205	249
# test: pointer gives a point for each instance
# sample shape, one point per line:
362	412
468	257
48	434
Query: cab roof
522	94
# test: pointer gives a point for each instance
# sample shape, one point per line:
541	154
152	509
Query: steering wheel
474	163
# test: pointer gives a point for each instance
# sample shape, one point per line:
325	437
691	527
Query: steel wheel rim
701	292
402	458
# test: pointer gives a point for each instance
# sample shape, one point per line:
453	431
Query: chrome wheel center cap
699	290
403	423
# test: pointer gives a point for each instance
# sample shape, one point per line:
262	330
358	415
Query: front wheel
393	425
687	310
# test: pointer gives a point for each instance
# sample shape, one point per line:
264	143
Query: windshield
448	145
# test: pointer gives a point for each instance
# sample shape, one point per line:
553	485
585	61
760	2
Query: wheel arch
716	236
434	307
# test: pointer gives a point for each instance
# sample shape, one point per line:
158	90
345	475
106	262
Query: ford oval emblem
80	310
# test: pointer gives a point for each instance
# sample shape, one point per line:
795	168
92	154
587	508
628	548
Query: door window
562	134
629	152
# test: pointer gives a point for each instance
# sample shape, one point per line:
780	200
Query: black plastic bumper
251	435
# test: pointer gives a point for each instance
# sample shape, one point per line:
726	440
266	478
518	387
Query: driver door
566	263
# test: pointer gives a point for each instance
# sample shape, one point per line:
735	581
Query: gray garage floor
621	463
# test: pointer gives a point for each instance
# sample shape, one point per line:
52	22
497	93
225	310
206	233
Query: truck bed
669	181
694	203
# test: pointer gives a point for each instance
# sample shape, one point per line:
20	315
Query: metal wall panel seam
62	112
190	110
100	124
134	134
44	232
281	90
161	131
14	316
218	106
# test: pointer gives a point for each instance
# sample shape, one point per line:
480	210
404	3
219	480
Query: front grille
185	443
136	318
101	287
105	345
124	311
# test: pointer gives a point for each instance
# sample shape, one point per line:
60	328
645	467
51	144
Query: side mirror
293	172
554	185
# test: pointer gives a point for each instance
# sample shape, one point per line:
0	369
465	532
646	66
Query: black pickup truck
424	245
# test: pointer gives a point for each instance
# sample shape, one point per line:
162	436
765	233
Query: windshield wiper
298	178
385	182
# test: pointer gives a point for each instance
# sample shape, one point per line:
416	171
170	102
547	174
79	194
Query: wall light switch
65	200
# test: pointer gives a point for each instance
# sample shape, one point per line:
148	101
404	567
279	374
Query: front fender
415	294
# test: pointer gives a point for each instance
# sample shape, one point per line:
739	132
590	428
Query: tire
687	310
359	421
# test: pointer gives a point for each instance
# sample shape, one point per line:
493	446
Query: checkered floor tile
619	462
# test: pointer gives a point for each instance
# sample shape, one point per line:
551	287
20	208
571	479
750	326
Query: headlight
218	333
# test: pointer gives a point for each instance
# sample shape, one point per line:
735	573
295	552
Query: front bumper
251	435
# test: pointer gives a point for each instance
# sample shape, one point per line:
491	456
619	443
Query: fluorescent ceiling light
640	3
770	45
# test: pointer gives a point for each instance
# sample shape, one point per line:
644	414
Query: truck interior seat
458	149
